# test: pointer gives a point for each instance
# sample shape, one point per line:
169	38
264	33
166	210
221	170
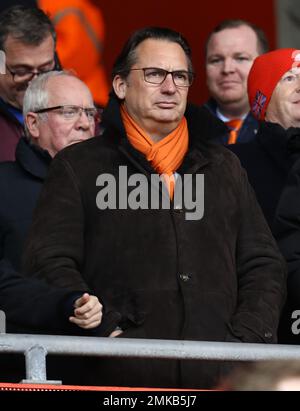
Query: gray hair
36	96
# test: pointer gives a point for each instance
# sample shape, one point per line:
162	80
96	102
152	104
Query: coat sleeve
54	248
32	305
35	307
261	273
287	232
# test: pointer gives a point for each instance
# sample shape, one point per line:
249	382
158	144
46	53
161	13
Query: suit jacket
247	132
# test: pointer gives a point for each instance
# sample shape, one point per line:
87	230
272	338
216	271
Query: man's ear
32	122
120	86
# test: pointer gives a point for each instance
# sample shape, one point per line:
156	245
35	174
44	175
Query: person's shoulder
87	149
223	162
228	156
226	162
93	154
203	123
219	153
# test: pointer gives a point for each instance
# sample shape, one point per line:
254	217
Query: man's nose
34	74
168	83
83	121
298	83
228	65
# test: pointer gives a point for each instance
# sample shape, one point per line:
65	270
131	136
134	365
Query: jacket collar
32	158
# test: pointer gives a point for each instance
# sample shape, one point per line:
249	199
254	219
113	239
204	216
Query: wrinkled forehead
68	90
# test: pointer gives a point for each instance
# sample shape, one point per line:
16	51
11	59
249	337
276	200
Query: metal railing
37	347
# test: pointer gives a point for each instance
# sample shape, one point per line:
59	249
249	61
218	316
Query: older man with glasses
27	37
168	272
59	111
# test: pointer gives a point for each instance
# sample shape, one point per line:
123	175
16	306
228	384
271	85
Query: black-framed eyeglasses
70	112
22	74
154	75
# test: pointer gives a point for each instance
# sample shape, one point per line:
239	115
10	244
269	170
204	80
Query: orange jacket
80	33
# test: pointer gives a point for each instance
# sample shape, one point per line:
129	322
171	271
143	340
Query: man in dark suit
230	51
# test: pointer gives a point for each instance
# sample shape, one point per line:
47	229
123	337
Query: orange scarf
166	155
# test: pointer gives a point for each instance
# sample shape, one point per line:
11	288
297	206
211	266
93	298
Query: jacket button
268	335
185	277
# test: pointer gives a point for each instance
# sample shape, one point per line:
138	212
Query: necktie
234	126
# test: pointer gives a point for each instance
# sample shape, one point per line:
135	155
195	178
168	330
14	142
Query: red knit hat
264	75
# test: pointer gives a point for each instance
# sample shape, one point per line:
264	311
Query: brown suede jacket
219	278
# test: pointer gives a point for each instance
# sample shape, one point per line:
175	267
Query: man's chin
230	98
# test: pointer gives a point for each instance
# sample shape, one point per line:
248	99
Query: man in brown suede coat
202	267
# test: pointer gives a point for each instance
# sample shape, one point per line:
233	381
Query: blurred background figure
230	51
275	375
27	37
80	32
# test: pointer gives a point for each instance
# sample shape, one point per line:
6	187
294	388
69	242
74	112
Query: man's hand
87	312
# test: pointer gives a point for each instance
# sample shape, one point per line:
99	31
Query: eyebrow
236	53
